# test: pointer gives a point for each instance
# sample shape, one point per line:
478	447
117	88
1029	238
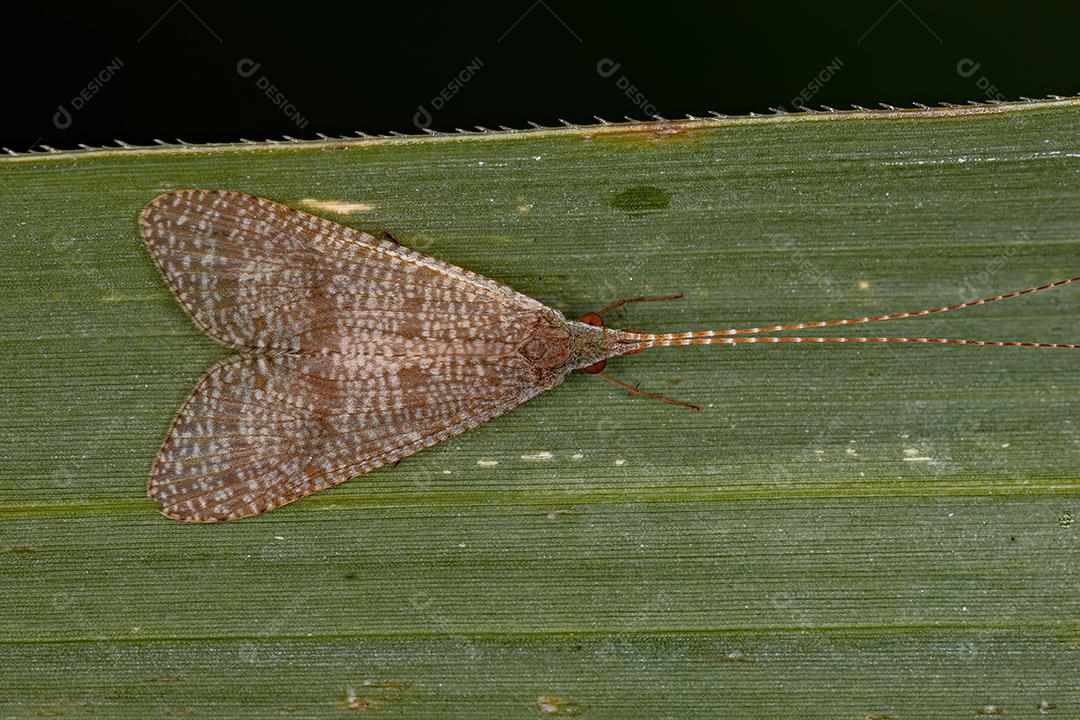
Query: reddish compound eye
596	367
592	318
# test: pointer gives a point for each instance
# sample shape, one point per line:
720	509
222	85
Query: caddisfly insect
360	352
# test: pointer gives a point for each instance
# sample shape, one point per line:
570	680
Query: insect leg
654	396
646	298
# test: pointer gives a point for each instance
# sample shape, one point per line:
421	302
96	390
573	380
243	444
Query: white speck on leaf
338	206
913	455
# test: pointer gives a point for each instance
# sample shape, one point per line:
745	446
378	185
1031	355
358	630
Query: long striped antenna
723	337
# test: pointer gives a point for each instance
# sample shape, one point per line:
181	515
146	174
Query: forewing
257	274
261	432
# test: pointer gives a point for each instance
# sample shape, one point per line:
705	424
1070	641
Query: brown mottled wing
375	352
257	274
260	432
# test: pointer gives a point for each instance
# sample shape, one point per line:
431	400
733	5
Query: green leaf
842	532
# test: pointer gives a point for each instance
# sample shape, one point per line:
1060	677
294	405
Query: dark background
170	69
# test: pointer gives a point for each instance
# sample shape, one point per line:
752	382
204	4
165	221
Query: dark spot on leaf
350	576
640	200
